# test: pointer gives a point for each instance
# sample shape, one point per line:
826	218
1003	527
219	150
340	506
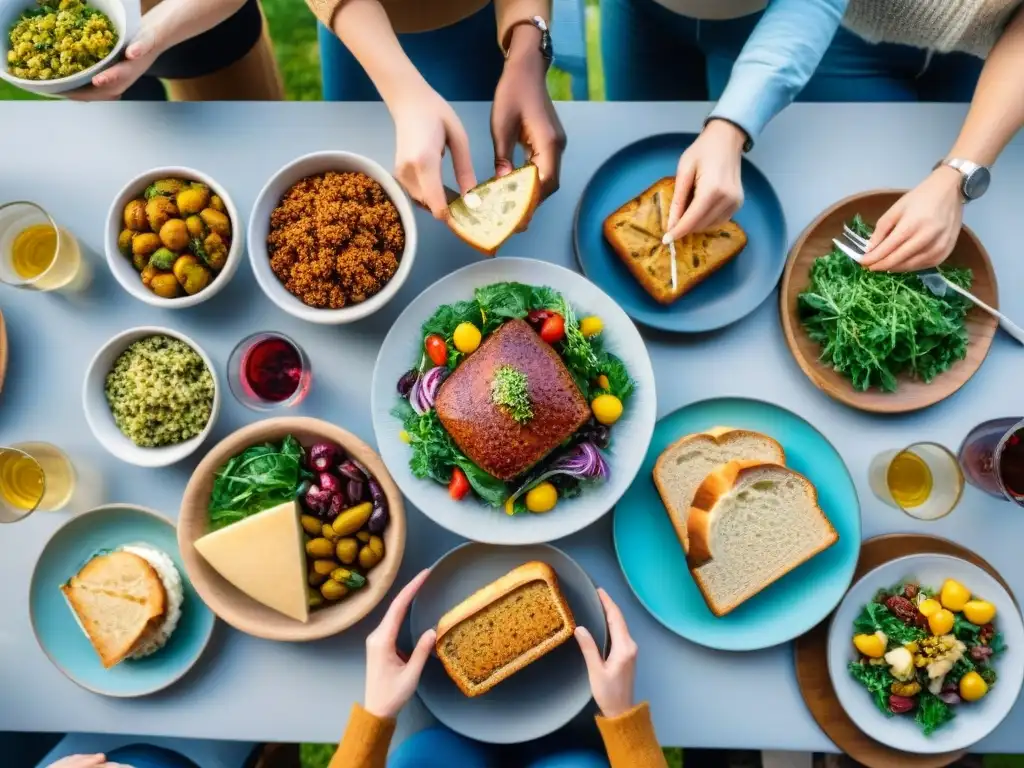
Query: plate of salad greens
925	653
513	402
880	341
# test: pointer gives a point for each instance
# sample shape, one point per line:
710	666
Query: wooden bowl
237	608
911	394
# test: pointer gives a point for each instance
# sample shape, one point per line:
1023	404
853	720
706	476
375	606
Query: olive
352	519
324	566
405	383
333	590
347	550
319	548
372	553
363	536
328	532
310	525
351	579
315	599
316	579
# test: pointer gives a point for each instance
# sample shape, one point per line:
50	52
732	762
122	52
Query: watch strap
537	22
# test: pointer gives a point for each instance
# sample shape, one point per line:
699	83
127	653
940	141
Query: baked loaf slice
490	213
635	230
750	524
487	433
501	628
118	600
682	467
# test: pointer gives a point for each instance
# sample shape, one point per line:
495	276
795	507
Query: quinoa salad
160	392
59	38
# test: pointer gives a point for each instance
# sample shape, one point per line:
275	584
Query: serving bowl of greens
926	653
298	483
877	341
514	401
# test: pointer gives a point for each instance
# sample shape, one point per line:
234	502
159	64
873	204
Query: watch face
976	183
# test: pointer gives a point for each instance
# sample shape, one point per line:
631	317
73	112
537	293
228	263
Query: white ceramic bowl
101	421
10	10
973	721
122	266
259	228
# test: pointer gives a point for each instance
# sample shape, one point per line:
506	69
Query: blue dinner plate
57	631
731	293
652	558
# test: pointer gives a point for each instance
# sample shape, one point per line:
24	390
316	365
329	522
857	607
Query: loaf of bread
504	626
490	213
682	467
750	524
635	231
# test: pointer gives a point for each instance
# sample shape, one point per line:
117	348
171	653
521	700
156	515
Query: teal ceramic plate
57	631
652	558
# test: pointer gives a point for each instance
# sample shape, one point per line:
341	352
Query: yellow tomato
591	326
941	622
972	687
929	607
466	338
602	382
405	437
869	645
607	409
541	498
979	611
954	595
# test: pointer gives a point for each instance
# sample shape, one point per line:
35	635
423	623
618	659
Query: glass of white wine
34	476
36	253
924	480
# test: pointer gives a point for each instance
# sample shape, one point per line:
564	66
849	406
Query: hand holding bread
391	680
611	679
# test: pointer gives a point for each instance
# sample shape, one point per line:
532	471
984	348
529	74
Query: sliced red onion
414	397
584	462
949	698
350	470
431	383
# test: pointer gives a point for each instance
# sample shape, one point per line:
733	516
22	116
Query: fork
936	282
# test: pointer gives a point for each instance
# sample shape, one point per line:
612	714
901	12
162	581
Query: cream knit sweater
970	26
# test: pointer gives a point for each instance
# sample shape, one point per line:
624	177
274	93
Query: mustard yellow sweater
629	739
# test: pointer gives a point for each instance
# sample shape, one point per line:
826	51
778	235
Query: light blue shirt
777	60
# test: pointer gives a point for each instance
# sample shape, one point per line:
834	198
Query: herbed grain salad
59	38
160	392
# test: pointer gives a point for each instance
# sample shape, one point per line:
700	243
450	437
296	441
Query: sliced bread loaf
490	213
750	524
682	466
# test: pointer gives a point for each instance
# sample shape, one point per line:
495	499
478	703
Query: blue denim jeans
441	748
653	54
148	756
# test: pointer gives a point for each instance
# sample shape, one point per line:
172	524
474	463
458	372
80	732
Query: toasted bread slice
117	599
635	230
751	523
504	626
682	467
490	213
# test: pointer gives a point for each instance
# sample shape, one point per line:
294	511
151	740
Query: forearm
777	60
366	741
509	12
997	109
630	740
174	21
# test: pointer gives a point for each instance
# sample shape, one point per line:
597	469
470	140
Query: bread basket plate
728	295
973	721
470	517
538	699
655	567
57	631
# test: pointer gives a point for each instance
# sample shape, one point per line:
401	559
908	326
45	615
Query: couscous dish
59	38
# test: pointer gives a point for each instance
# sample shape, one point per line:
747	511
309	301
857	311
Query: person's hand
111	83
85	761
611	679
391	680
921	228
708	188
424	125
523	112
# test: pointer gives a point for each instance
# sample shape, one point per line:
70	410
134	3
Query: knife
672	264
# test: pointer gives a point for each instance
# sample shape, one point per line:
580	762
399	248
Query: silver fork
933	280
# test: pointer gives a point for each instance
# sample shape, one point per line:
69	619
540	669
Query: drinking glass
34	476
992	458
924	480
37	254
269	370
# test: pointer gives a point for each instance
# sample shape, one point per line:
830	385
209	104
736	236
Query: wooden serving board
911	394
811	656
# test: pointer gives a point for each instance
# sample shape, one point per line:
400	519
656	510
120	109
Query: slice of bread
751	523
635	230
490	213
118	599
682	466
504	626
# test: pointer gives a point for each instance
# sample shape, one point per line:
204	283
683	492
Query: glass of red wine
268	370
992	458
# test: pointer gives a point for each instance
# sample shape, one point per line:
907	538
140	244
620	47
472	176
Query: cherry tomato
458	486
553	329
436	349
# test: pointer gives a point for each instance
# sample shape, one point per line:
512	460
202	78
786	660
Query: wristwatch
974	178
546	48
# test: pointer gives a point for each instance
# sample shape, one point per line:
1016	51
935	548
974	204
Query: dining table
73	158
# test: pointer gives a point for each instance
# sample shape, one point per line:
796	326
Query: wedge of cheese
264	556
